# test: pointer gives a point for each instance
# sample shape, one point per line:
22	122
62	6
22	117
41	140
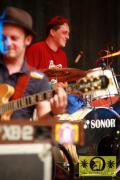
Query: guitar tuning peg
91	79
93	88
86	90
97	78
99	87
95	85
84	80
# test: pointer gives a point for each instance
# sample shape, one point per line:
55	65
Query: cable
67	175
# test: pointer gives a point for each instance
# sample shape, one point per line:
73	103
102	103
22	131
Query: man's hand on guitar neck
57	104
59	101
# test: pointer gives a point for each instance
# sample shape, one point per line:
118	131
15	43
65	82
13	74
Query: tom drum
104	97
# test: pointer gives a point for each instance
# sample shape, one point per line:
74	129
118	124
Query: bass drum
102	133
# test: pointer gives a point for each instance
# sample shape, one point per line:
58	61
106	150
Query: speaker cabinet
25	161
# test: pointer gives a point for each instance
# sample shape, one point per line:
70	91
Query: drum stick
111	55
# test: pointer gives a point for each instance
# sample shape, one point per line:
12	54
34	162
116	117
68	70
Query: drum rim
107	108
113	98
96	69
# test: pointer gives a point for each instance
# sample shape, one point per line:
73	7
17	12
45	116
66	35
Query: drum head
101	132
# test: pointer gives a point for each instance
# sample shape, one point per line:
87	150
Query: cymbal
110	55
64	74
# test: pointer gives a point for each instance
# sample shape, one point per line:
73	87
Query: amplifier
26	147
25	161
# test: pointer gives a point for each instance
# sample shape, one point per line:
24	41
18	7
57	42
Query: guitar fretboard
85	85
26	101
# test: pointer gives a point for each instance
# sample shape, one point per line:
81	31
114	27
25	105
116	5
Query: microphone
78	56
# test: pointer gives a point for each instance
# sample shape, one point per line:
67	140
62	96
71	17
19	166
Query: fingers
59	101
60	84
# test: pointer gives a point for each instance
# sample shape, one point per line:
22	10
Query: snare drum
104	97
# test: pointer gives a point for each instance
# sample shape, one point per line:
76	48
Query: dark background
95	26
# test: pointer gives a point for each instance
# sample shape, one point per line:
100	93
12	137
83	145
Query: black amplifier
26	147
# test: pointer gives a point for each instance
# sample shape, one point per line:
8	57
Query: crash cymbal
111	55
64	74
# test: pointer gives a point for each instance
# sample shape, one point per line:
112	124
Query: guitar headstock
92	83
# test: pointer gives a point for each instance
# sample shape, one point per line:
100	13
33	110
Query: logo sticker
97	165
67	133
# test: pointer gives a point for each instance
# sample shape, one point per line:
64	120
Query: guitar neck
85	85
27	101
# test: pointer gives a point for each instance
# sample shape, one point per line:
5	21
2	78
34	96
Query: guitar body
6	91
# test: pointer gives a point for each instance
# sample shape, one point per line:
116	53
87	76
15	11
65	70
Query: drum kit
103	97
101	114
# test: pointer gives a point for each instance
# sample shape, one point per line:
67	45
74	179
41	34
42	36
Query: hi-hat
110	55
64	74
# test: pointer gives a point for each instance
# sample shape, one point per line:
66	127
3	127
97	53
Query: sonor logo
99	123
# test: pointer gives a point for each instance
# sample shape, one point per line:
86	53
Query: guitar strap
21	85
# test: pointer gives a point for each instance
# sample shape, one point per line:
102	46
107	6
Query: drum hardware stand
114	76
105	65
88	100
116	83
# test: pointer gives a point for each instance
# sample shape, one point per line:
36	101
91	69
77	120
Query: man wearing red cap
14	71
49	52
